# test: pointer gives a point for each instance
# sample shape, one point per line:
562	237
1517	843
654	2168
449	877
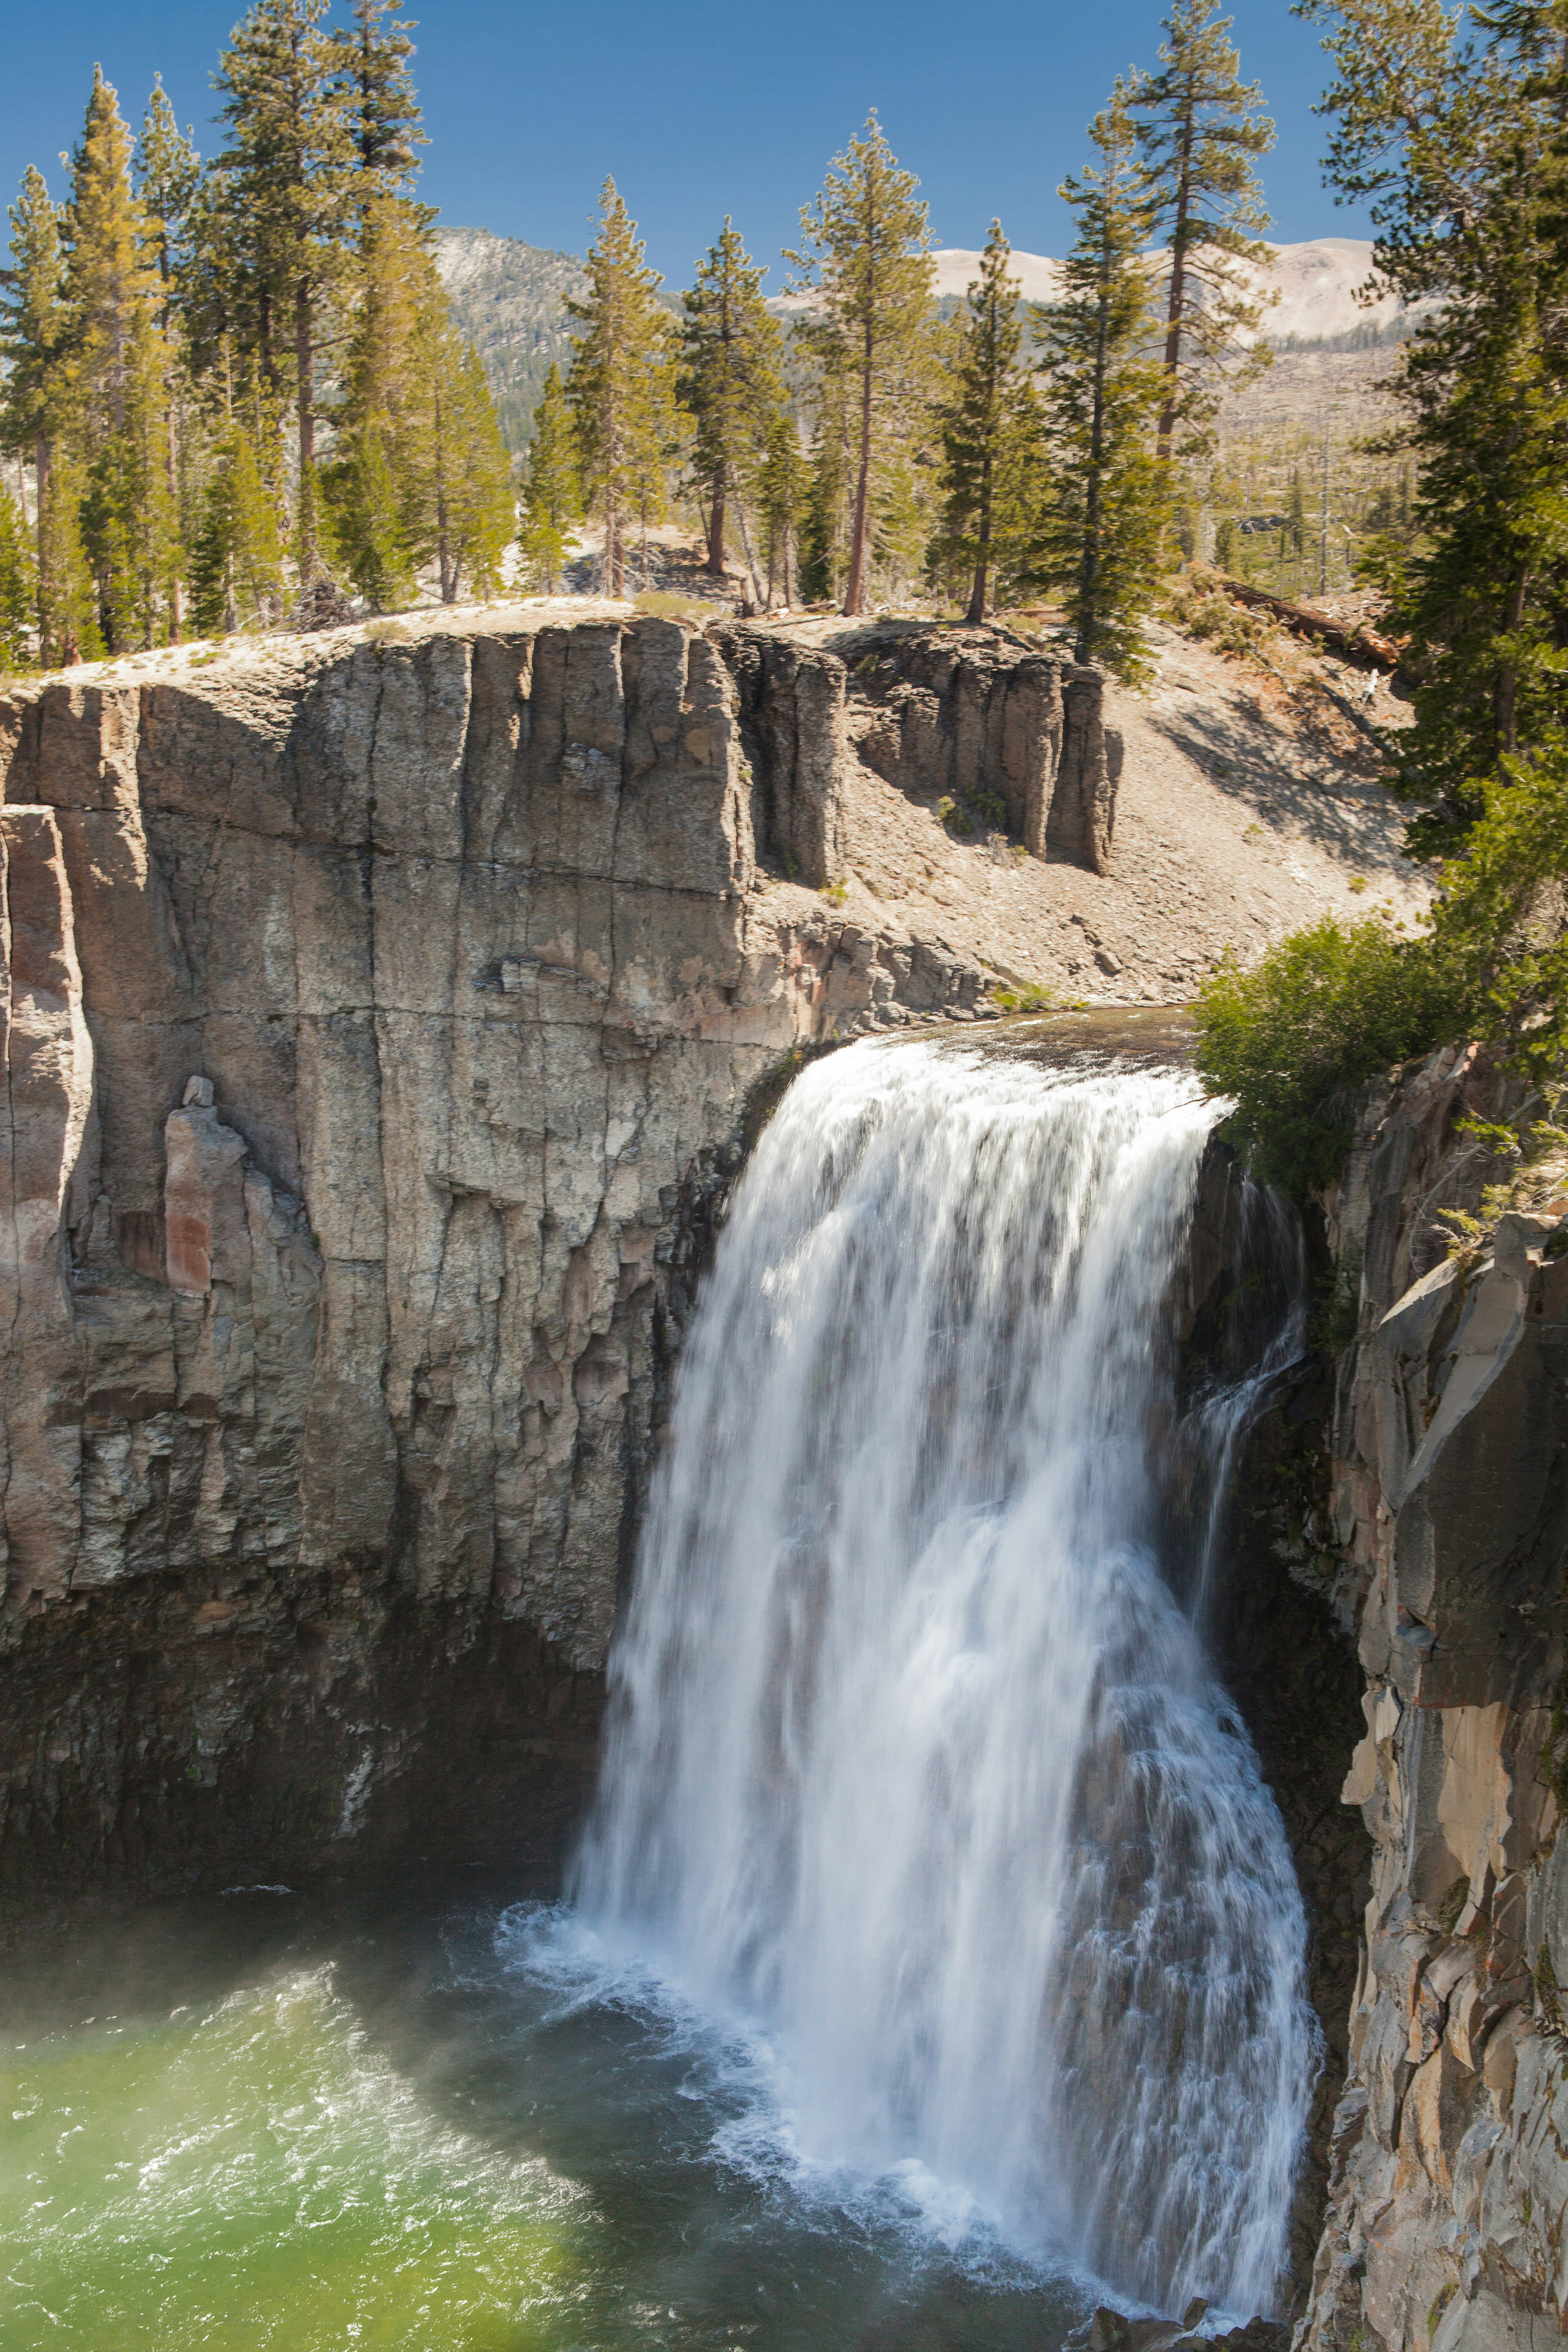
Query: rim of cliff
1248	800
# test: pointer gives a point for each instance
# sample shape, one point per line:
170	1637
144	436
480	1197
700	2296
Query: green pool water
279	2121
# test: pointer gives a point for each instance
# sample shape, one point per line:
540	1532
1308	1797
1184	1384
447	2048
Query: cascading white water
914	1756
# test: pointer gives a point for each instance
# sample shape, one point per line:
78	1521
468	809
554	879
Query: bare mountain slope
509	300
1316	284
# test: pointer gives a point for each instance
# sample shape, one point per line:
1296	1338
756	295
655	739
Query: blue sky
704	107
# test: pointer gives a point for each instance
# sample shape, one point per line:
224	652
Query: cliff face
380	1015
1446	1544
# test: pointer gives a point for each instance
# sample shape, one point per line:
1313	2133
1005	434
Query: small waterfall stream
915	1759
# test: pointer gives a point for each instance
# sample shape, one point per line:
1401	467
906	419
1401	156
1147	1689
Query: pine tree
552	492
167	172
421	474
383	108
67	601
1457	146
373	487
866	256
369	519
656	440
1200	129
32	339
237	571
781	484
18	587
730	350
472	516
1103	530
286	207
982	421
612	384
829	497
117	367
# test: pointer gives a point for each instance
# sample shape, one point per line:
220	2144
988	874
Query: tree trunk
1176	307
716	527
40	487
176	586
443	530
1088	571
977	613
263	338
855	596
304	365
750	558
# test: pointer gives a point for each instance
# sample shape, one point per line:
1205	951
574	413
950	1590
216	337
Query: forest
235	399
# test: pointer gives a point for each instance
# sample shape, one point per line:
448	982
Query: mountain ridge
508	297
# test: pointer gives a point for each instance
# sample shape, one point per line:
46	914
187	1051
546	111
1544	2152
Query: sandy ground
1248	806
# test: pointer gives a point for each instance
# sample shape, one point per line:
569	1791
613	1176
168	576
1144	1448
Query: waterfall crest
914	1755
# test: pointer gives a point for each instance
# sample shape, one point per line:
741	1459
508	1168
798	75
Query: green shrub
1499	917
1292	1039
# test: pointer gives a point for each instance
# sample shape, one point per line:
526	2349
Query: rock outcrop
930	710
1444	1544
380	1016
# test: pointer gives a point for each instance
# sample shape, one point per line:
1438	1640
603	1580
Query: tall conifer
730	350
167	173
1105	521
68	627
1457	146
237	568
421	474
286	210
373	485
985	421
18	586
865	256
829	507
1200	128
471	514
117	365
32	339
383	109
612	385
552	491
782	484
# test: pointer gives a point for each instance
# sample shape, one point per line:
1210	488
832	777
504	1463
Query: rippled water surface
421	2123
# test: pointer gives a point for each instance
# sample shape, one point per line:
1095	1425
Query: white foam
916	1775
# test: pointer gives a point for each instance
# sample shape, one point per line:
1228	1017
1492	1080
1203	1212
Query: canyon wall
1442	1544
383	1011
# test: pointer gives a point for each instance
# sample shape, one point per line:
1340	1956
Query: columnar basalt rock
1446	1537
933	711
381	1013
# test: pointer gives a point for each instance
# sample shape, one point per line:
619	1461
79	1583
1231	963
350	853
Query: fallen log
1355	641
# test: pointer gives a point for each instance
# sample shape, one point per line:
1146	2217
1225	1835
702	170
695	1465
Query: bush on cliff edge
1291	1039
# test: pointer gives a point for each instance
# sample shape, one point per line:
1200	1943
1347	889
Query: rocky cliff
382	1011
1443	1543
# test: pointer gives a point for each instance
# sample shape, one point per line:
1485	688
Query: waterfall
914	1756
